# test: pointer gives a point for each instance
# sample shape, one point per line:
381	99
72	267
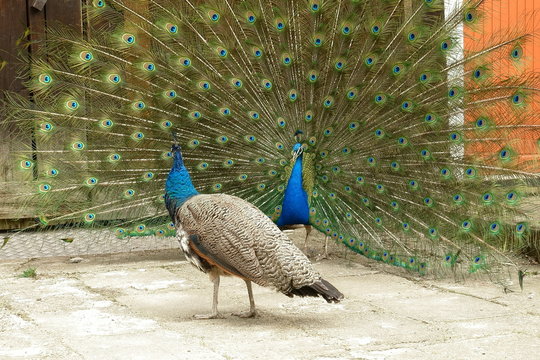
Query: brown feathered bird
225	235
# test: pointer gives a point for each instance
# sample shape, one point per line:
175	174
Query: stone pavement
139	305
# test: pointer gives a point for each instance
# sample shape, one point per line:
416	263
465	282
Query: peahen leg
214	277
252	312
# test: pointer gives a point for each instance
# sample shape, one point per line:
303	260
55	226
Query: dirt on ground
140	305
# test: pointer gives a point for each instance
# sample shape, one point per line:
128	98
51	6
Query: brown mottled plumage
225	235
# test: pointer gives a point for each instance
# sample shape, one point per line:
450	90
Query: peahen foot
246	314
252	312
208	316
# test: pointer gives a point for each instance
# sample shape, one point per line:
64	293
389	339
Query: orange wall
505	16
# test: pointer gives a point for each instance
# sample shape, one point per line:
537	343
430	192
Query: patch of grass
29	273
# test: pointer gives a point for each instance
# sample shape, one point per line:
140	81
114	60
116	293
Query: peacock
224	235
368	120
295	206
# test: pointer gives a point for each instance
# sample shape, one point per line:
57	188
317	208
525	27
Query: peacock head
297	151
298	148
177	156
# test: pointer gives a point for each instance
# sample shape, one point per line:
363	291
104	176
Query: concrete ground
140	305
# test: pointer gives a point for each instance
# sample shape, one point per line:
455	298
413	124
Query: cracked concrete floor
139	306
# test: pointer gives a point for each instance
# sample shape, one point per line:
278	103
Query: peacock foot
246	314
208	316
324	256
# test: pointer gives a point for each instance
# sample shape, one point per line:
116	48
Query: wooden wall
18	19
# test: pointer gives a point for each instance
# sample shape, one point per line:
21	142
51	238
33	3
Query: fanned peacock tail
409	154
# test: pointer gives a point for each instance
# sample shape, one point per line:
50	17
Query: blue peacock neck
178	188
295	207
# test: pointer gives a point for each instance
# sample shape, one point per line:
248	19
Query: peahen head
178	187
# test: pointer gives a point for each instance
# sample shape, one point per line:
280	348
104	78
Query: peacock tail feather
410	153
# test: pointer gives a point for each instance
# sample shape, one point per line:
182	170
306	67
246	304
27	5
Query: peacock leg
252	312
308	231
325	254
326	248
214	277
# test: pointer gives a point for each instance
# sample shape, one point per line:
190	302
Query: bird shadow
273	319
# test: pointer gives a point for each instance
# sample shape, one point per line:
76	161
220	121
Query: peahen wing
235	235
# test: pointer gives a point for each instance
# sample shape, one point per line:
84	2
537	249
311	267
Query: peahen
369	120
224	235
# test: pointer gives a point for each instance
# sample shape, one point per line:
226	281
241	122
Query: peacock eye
214	16
72	104
44	188
204	85
27	164
86	56
267	84
128	39
78	145
148	66
139	105
171	28
90	217
222	52
45	79
185	62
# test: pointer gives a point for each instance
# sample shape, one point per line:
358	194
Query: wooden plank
68	12
13	23
12	26
36	22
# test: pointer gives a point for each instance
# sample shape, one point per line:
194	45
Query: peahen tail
410	139
320	288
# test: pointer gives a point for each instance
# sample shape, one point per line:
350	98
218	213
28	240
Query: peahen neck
295	207
178	187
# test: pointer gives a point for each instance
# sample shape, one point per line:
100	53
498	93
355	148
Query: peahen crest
409	138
